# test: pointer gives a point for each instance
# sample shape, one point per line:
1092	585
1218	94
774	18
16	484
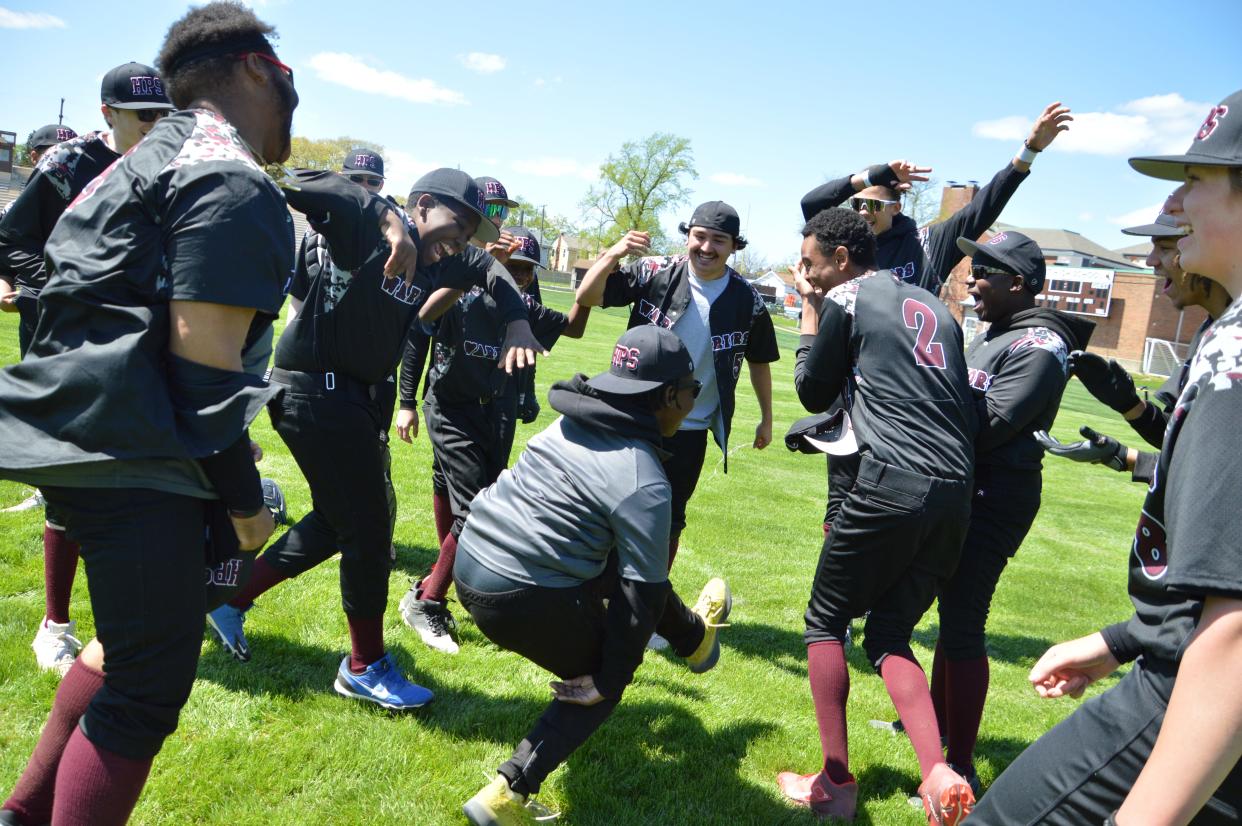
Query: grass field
270	742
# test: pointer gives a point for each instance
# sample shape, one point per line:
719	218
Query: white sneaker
431	619
35	500
55	646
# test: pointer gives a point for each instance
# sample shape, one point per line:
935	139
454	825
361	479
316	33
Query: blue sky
775	97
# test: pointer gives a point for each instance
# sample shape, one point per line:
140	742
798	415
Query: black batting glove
1108	381
1096	448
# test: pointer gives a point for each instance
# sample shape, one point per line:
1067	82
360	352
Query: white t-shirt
694	330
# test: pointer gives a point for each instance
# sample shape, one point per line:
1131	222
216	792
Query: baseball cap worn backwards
49	135
1012	251
362	161
645	357
460	187
494	191
134	86
1165	226
718	216
1217	143
529	250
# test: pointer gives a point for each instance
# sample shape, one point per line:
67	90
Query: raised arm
591	289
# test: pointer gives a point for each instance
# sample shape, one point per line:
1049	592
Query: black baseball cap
134	86
494	191
1012	251
49	135
1165	226
362	161
1217	143
529	251
460	187
645	357
716	215
831	433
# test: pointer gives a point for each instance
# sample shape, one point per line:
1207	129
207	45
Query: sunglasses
270	59
500	211
151	115
362	179
872	205
982	271
695	387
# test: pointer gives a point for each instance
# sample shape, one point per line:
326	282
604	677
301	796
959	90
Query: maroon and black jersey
61	174
895	353
1185	546
1017	373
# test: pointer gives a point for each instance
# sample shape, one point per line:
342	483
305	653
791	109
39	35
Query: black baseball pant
144	553
1082	770
467	441
561	630
1003	507
683	468
895	542
331	427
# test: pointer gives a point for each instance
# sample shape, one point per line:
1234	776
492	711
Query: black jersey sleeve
1203	527
346	215
1019	392
1150	424
227	238
627	284
831	194
970	221
823	360
412	363
545	323
24	229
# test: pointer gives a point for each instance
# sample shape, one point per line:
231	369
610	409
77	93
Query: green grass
269	742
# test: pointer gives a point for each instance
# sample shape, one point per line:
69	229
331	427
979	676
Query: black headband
240	45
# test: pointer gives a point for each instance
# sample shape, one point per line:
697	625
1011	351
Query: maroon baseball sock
96	787
32	797
436	583
443	513
263	577
967	684
60	563
939	690
673	541
830	688
366	639
907	686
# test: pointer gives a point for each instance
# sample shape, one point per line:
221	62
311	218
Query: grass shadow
414	561
279	666
1016	649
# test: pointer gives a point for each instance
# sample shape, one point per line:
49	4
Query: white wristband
866	176
1027	155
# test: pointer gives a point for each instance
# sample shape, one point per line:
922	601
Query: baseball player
582	603
133	101
719	316
1162	745
894	353
167	264
1112	385
922	256
346	341
466	402
1017	372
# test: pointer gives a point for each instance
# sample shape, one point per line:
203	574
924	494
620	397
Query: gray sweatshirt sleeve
640	524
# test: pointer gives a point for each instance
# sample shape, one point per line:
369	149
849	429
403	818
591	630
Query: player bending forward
583	604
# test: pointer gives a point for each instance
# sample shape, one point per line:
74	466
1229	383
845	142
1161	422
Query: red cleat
946	796
819	794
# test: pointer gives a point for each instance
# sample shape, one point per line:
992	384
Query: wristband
1027	154
880	174
236	480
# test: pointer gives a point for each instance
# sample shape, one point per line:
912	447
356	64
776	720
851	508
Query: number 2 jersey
1185	546
895	353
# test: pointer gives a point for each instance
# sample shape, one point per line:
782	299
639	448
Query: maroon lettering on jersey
979	379
1151	547
654	314
919	317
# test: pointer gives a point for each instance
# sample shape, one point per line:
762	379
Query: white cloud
29	20
734	179
1157	124
351	72
1135	217
540	82
401	170
1086	216
482	62
547	167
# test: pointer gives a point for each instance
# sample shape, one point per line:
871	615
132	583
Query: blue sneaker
381	684
228	623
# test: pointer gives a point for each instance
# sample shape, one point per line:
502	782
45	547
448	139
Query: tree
308	153
922	201
750	263
637	184
529	215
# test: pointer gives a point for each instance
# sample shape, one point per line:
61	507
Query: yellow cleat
714	603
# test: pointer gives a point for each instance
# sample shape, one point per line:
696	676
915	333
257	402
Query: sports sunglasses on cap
873	205
982	271
500	211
